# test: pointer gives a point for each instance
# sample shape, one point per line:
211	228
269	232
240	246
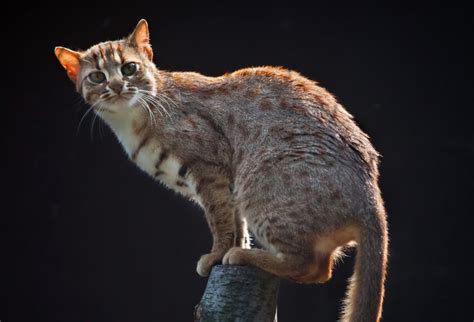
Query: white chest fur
151	158
166	168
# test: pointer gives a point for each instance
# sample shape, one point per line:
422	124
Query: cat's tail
365	294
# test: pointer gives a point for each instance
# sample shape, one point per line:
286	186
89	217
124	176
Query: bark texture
238	293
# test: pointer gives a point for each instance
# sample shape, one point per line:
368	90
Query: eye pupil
129	69
97	77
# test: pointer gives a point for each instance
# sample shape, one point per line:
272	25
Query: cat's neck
124	123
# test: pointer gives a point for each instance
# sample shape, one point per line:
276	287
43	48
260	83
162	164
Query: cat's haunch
260	147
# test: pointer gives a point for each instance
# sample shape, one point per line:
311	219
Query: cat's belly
166	168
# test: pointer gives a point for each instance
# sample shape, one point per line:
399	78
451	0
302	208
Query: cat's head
113	75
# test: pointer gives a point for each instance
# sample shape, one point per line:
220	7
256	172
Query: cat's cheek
91	98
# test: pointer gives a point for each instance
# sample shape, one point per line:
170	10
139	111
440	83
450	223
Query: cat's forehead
109	53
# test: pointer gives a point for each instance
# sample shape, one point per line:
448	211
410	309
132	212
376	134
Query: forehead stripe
101	58
100	63
110	52
96	60
102	53
111	48
116	56
120	49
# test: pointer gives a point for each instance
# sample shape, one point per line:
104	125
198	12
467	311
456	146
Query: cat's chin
119	104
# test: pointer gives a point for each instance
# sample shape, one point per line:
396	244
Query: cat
263	147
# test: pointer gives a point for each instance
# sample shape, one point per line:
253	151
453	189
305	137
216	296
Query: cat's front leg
219	210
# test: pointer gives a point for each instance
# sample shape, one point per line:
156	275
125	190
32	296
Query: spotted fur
263	147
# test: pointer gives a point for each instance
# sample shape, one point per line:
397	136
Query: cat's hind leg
303	268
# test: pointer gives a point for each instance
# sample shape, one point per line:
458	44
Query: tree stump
238	293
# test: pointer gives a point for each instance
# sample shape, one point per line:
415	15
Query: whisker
149	98
147	108
159	107
162	106
141	105
169	102
157	102
78	102
101	124
167	98
83	116
92	127
99	107
152	115
151	111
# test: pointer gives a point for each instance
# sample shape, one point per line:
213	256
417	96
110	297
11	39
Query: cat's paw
235	256
206	262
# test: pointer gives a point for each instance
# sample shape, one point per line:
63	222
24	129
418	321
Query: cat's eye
97	77
129	69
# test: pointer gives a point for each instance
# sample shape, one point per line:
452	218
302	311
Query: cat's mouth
116	102
125	99
118	98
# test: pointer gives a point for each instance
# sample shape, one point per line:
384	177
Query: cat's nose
116	87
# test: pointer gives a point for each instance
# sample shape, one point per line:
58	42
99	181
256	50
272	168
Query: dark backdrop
87	237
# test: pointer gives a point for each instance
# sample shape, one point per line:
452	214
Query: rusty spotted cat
263	148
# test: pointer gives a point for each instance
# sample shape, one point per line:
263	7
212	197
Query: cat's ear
70	60
140	38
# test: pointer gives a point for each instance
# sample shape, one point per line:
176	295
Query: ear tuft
70	60
140	37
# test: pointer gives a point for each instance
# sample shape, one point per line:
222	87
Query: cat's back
286	85
292	110
267	110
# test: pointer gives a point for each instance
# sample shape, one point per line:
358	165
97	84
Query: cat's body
261	146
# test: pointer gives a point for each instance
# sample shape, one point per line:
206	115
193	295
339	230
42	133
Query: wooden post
238	293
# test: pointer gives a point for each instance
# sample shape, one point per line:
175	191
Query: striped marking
181	183
183	171
142	143
161	158
95	56
176	176
117	56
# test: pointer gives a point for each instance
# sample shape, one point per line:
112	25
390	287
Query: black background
87	237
